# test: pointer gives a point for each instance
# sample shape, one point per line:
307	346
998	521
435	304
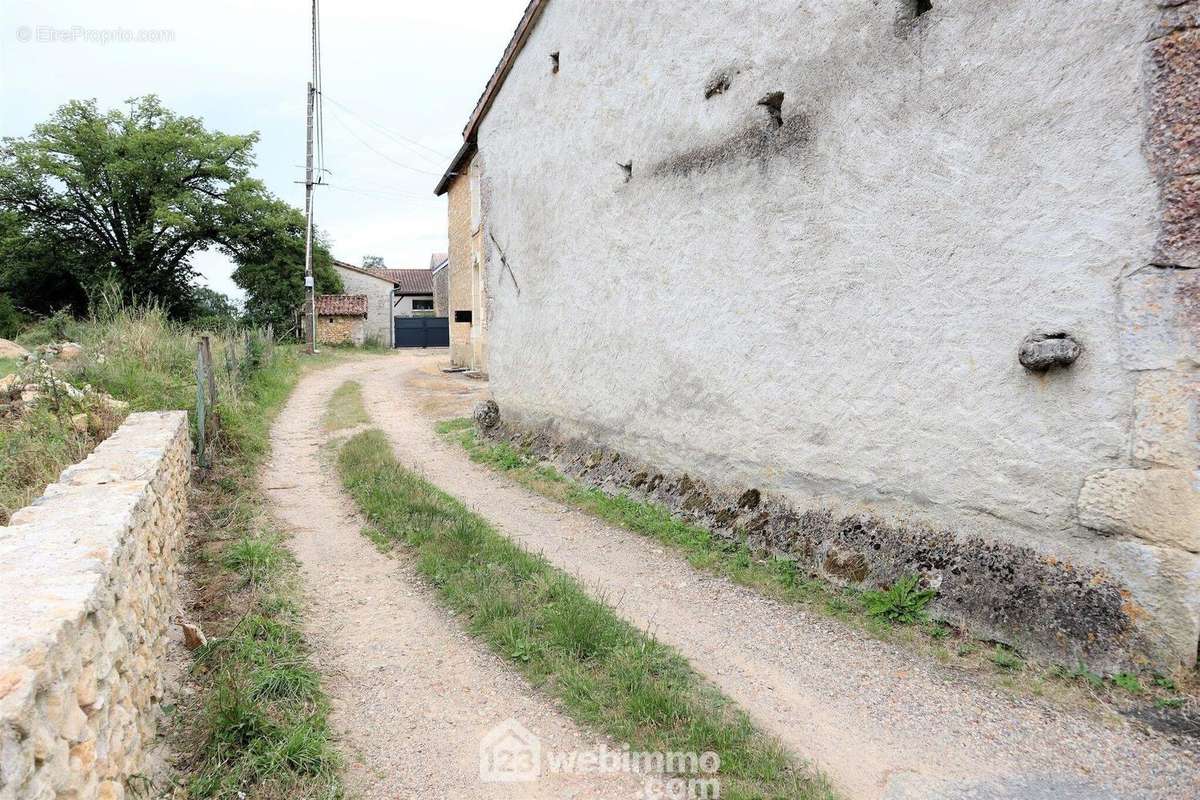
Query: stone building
439	264
378	290
468	284
390	293
341	319
923	274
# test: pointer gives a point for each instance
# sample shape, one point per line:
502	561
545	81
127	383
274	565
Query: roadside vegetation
255	725
606	673
894	614
261	730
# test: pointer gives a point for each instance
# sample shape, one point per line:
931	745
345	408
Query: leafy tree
211	309
11	320
372	262
92	197
268	246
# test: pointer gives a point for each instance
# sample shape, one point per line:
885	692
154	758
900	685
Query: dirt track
413	695
881	723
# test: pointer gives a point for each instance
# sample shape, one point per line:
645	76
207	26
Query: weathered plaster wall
87	583
379	302
830	308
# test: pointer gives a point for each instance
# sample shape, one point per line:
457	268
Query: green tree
268	247
92	197
212	309
11	320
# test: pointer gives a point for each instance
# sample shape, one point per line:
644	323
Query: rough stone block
1167	420
1158	505
1160	319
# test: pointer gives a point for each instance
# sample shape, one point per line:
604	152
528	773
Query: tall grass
137	355
262	731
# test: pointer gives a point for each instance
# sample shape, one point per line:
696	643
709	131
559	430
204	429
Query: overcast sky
393	71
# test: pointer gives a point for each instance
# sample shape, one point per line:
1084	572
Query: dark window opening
462	316
554	62
921	6
627	168
422	304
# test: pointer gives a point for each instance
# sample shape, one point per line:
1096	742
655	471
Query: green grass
261	730
8	366
904	602
606	673
345	409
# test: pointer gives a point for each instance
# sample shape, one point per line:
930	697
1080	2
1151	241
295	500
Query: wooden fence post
201	411
211	376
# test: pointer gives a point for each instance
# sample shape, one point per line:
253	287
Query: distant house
413	291
390	293
341	318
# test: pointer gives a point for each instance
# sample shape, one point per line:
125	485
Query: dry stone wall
88	579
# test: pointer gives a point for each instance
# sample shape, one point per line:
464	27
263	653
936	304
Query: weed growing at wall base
605	672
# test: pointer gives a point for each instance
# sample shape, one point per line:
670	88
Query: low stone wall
1071	612
88	578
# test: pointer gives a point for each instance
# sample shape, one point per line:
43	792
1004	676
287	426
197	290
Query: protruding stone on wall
1043	351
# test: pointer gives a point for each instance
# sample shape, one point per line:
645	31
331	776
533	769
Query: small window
554	62
463	316
921	6
422	304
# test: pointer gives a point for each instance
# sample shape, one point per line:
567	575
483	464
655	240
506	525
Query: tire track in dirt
412	694
882	723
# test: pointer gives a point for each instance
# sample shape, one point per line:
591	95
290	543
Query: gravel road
882	723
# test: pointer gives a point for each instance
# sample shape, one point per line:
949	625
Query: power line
398	137
377	193
382	154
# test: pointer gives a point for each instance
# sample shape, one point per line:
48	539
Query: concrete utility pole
309	281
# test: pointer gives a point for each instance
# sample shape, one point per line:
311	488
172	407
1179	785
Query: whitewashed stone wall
88	578
826	303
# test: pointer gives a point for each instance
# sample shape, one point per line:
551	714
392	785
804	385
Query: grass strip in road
345	409
259	730
608	674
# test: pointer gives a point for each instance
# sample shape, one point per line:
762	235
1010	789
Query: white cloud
414	70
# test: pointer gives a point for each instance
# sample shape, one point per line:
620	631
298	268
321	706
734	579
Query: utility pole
309	282
314	97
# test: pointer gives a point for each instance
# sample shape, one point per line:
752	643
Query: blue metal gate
422	332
